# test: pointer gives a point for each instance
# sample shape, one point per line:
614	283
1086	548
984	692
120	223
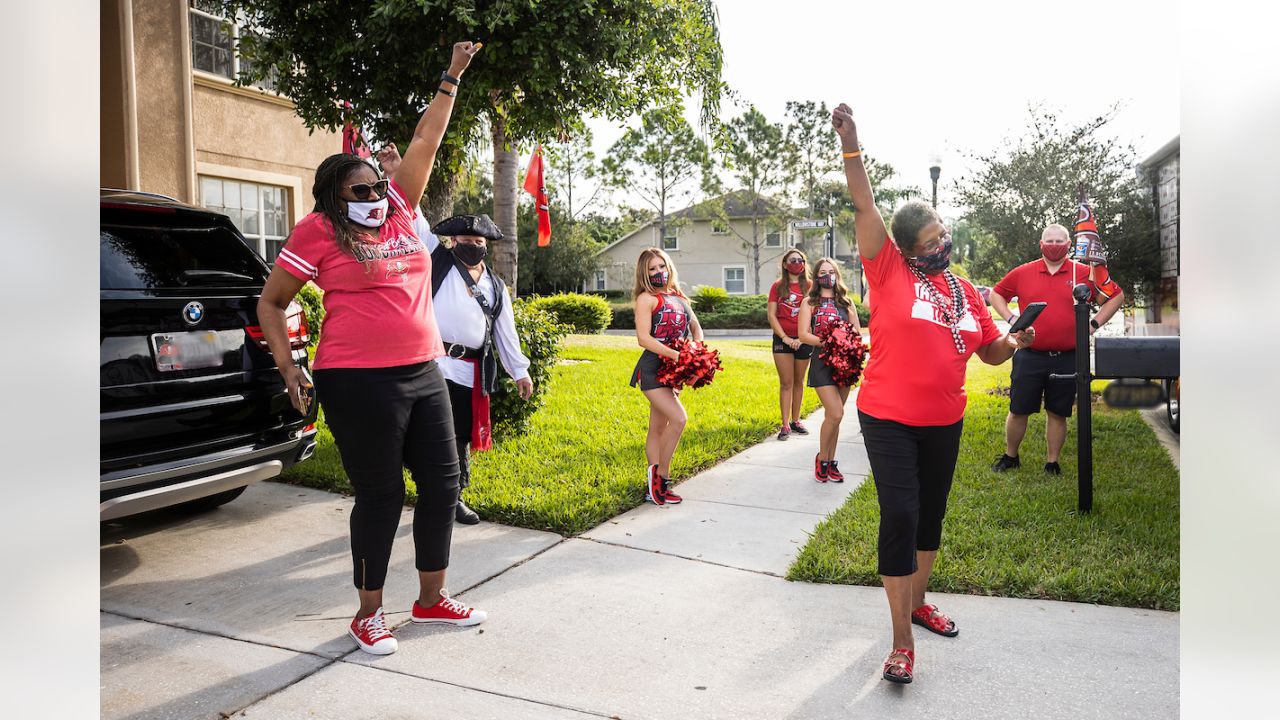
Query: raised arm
420	156
867	223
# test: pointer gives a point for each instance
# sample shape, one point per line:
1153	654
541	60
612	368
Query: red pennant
535	185
353	140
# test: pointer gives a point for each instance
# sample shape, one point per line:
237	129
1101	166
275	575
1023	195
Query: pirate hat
479	225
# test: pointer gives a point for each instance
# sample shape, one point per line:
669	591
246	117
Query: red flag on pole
535	185
353	140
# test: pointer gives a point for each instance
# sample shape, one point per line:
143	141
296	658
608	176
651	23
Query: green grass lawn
583	461
1016	534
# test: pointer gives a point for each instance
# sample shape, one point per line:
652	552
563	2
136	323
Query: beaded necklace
952	315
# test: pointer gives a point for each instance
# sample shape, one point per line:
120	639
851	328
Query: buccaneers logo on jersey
670	324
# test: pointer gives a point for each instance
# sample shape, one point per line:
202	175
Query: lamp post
934	172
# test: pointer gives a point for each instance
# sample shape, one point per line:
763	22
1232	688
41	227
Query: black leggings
460	399
383	420
912	467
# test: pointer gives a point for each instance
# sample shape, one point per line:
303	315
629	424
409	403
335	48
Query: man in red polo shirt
1050	280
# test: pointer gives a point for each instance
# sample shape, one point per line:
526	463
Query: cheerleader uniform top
670	322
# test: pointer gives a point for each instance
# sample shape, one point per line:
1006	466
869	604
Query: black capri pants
383	420
913	467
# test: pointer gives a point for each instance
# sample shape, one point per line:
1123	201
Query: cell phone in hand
1027	316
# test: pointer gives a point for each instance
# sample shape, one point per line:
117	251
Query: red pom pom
842	351
696	367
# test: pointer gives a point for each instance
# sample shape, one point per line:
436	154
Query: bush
744	312
582	313
540	336
706	298
312	300
611	295
864	315
624	316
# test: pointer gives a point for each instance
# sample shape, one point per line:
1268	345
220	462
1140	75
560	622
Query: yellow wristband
854	154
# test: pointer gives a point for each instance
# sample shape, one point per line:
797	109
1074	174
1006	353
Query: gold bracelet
854	154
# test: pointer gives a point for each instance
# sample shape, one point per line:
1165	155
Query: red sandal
933	620
903	668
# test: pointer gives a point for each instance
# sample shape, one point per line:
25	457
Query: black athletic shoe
784	433
1052	468
798	429
1006	463
465	515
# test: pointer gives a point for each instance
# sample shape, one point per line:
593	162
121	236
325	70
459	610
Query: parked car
193	409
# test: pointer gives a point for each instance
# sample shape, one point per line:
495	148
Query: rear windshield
142	257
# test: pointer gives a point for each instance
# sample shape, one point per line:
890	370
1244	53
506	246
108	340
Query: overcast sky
947	78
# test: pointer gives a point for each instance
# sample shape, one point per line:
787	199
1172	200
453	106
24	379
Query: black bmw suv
192	407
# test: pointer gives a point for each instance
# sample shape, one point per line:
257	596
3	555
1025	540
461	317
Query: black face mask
470	255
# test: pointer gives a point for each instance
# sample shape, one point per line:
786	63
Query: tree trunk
506	251
755	254
437	202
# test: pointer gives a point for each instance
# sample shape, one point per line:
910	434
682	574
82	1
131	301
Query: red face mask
795	267
1054	252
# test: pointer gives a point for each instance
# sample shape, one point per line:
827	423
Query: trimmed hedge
540	336
736	312
585	314
312	300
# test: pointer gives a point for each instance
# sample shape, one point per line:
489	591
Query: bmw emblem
193	313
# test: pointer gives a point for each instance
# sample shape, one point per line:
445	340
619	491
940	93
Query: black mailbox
1136	357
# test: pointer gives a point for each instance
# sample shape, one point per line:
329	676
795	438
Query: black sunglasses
362	190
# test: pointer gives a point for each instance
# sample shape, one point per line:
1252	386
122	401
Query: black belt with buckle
1050	353
461	352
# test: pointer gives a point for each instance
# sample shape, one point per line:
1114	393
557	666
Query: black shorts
780	347
1030	382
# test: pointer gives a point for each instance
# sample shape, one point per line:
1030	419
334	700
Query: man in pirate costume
475	319
1050	279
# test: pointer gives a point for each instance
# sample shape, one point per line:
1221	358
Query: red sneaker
653	486
448	611
669	497
820	469
372	635
833	472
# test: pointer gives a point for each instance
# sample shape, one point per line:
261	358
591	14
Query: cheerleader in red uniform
827	301
663	316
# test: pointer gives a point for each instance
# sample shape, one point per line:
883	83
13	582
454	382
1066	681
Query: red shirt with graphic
378	303
914	375
788	306
1056	324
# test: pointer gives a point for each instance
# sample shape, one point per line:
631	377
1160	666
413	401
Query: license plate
188	350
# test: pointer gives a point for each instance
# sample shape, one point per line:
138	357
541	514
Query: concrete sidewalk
659	613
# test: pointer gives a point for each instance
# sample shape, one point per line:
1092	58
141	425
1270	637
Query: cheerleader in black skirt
828	300
663	315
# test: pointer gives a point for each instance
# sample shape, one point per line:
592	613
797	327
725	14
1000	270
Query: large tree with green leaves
545	65
573	174
659	161
1030	183
814	149
758	156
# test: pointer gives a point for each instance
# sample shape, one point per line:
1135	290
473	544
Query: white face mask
368	214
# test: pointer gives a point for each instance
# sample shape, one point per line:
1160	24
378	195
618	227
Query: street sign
801	224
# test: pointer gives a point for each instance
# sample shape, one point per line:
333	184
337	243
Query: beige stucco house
707	251
174	123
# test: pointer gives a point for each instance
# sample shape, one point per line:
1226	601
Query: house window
719	227
669	240
260	212
600	280
773	239
735	280
215	45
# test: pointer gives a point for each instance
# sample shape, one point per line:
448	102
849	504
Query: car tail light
295	320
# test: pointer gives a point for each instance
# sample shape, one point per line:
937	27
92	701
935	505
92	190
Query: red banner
535	185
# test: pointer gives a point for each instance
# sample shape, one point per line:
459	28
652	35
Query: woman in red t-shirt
384	399
663	316
790	356
928	323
